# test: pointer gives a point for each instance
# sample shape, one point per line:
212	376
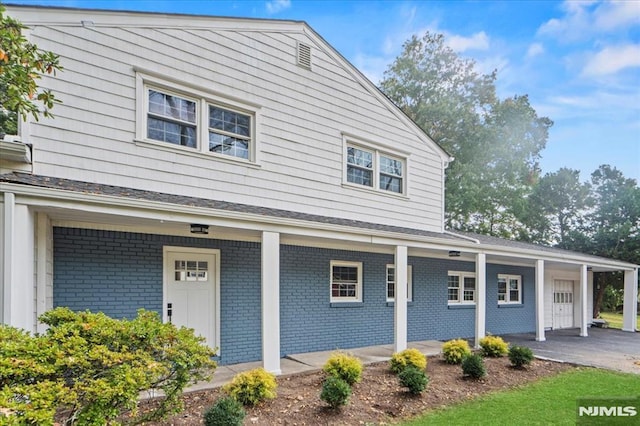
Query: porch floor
310	361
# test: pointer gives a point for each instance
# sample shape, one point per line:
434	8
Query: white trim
42	229
270	301
99	203
377	152
508	278
409	282
400	304
462	275
202	98
539	290
216	277
481	298
8	223
359	286
584	315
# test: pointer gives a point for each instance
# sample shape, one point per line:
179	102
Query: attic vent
304	55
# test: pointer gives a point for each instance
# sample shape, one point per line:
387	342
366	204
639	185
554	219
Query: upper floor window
183	117
375	169
391	283
346	281
461	287
509	289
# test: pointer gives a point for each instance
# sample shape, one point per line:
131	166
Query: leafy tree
556	206
21	66
612	228
496	142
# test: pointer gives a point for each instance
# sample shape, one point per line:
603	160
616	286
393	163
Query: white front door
563	304
190	290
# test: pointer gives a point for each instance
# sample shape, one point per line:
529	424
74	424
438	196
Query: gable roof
123	18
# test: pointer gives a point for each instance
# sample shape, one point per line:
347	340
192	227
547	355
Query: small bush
88	368
473	366
409	357
335	391
454	351
253	386
225	412
345	367
520	356
414	379
493	346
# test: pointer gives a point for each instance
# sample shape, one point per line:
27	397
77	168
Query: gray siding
303	115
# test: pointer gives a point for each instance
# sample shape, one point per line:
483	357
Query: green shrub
473	366
253	386
454	351
335	391
493	346
345	367
409	357
225	412
89	369
520	356
414	379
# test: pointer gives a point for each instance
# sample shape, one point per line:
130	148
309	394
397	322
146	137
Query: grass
552	400
615	319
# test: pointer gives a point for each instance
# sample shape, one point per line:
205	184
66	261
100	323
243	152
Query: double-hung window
391	283
346	281
179	116
374	168
461	287
509	289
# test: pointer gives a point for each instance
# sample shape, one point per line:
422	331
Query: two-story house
241	177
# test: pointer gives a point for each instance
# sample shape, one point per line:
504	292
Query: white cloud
610	60
535	49
275	6
584	19
478	41
616	14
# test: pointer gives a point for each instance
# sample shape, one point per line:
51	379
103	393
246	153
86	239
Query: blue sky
579	61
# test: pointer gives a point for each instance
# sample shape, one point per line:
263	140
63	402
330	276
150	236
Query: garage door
563	304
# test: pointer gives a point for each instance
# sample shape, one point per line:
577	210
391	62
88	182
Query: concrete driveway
604	348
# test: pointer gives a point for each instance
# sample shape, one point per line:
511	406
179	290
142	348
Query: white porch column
540	301
630	310
481	297
400	302
584	314
271	302
8	213
18	286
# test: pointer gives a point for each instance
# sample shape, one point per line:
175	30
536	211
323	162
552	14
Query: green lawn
551	401
615	320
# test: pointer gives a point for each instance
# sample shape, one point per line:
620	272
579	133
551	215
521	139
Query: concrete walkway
313	361
603	348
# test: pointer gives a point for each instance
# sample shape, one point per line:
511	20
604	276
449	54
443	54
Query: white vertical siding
304	114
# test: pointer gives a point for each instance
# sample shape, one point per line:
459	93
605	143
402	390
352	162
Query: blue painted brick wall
503	319
120	272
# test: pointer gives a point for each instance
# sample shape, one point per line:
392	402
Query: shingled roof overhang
463	240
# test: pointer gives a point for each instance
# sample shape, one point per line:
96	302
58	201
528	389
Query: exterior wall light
199	229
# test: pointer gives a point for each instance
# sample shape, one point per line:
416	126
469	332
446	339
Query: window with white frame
461	287
346	281
375	169
391	283
509	289
179	116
